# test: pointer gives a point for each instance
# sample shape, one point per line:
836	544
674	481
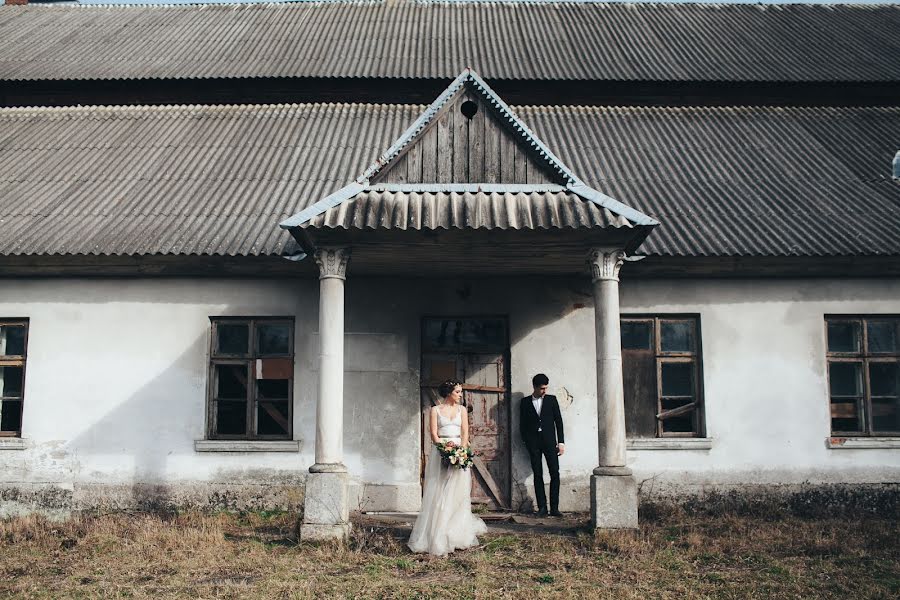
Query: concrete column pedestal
326	503
326	507
614	500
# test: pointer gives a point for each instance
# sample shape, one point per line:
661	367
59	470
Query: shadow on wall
141	454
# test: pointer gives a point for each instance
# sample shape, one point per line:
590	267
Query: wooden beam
489	480
676	412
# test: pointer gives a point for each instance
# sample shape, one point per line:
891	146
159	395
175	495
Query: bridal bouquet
453	455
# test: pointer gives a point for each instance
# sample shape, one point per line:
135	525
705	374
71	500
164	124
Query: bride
446	522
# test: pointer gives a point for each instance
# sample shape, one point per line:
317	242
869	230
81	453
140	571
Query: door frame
505	351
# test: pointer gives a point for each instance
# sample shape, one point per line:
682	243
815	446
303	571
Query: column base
314	532
326	506
614	502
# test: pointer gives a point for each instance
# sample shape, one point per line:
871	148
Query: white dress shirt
538	403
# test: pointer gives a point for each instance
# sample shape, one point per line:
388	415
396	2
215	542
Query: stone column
613	489
326	503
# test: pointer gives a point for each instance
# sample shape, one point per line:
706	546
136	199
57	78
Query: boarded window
13	344
251	379
661	368
864	375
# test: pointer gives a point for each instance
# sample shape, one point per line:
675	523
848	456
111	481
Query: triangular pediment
468	135
467	145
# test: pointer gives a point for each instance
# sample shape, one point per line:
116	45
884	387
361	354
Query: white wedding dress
446	522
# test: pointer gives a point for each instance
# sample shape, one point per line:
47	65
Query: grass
256	555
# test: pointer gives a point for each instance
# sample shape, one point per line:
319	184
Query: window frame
694	356
250	360
863	357
15	360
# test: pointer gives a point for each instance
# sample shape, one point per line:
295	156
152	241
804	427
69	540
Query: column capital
605	263
332	262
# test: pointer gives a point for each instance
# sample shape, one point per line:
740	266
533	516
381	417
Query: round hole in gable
468	109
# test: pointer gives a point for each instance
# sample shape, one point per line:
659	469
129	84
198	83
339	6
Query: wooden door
486	393
482	365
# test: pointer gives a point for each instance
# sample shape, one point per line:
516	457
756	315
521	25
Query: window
251	375
661	368
864	375
13	344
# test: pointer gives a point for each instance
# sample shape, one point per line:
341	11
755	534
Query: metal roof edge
633	215
345	193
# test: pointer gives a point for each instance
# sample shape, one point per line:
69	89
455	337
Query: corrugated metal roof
467	210
404	39
218	180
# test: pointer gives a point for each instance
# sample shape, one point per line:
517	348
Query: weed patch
231	555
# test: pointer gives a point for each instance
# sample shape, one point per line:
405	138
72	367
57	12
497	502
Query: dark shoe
542	512
555	513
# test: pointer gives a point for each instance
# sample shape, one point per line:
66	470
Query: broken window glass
233	338
272	417
662	391
273	339
272	388
231	381
253	368
675	420
231	417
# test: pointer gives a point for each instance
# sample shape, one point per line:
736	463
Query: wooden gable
468	142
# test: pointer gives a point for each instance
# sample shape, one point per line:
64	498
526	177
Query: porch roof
481	207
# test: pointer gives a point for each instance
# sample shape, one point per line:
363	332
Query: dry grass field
256	555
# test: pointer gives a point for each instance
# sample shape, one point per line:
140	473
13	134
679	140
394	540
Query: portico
468	190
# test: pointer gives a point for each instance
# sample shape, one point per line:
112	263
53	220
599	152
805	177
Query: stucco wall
765	382
116	385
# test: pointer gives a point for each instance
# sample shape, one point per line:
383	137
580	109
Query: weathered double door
476	352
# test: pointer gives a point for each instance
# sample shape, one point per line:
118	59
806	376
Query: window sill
246	445
13	443
669	444
852	443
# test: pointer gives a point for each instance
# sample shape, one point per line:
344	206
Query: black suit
543	443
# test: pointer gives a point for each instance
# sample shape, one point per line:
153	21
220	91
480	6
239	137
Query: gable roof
216	180
415	39
567	187
504	118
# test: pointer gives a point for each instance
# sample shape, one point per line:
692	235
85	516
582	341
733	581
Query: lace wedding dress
446	522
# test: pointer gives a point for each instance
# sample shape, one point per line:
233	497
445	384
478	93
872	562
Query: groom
541	426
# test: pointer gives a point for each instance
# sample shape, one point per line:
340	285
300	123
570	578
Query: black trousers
536	452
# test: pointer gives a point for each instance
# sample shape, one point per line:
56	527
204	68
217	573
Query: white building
163	342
